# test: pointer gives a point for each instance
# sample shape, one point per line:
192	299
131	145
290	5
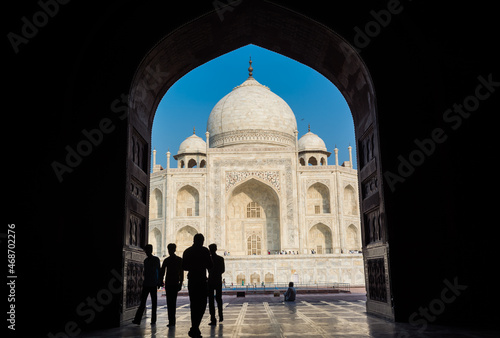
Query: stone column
350	156
337	246
164	217
220	246
340	194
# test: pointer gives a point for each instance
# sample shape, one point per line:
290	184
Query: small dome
193	144
311	142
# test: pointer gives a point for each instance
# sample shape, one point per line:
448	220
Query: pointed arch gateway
303	40
252	219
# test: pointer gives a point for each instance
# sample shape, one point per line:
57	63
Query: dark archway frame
295	36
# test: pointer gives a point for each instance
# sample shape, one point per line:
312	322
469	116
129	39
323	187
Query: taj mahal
274	203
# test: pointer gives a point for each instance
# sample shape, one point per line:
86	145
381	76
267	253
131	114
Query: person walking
150	284
196	260
172	265
215	284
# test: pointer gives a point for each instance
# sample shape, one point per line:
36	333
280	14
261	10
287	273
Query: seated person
290	293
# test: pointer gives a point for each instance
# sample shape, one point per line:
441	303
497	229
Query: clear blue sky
313	99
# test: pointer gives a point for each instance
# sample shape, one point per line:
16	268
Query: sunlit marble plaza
311	315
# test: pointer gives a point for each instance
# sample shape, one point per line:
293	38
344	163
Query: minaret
336	155
168	159
350	155
156	167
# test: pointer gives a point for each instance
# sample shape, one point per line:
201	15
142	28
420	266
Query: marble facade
260	192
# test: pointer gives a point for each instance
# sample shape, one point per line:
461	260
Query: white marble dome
311	142
251	114
192	145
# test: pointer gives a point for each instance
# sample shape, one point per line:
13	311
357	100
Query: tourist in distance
290	293
215	284
196	260
150	284
172	265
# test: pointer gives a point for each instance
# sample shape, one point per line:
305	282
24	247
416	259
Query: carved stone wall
370	186
373	226
376	280
234	177
252	136
138	190
137	230
304	268
135	278
181	184
139	151
366	148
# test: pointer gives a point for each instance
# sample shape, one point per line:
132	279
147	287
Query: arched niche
320	239
318	199
188	201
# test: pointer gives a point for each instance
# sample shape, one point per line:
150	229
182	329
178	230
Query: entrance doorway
327	53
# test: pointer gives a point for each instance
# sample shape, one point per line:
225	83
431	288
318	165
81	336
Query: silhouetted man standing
173	281
196	260
150	284
215	284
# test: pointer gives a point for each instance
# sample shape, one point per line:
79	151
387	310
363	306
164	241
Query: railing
307	287
341	287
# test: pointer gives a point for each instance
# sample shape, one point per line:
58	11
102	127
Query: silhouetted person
290	293
196	260
215	284
173	281
150	284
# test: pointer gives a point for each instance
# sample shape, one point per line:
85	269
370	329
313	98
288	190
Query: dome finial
309	127
250	69
194	130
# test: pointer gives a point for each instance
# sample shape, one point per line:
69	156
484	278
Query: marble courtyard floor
312	315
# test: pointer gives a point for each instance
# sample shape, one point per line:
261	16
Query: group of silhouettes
197	260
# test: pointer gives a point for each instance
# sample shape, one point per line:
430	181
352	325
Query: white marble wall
236	175
303	269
